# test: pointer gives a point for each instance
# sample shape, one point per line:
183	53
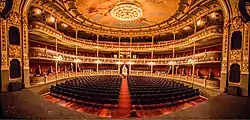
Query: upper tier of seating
149	92
98	91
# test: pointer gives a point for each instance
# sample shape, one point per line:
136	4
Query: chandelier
126	12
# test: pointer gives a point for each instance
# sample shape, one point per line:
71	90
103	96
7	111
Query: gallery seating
149	92
98	91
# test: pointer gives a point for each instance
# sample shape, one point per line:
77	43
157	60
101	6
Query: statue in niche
124	70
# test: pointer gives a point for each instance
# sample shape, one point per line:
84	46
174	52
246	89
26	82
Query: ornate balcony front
207	34
200	58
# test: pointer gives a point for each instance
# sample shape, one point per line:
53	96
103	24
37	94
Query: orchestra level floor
26	104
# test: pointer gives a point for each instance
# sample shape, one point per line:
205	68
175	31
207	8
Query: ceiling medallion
126	12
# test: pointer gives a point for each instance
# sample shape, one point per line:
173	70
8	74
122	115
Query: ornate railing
214	84
209	33
42	79
200	58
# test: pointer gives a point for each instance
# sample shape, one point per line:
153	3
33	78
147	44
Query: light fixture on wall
98	61
151	63
50	19
37	11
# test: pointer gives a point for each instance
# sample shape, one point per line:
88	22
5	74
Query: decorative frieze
235	56
212	32
25	42
4	59
4	35
15	51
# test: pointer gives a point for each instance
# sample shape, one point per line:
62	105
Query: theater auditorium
124	59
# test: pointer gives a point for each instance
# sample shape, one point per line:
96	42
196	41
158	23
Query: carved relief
4	60
14	18
3	35
224	65
25	42
244	67
246	40
235	56
14	51
237	23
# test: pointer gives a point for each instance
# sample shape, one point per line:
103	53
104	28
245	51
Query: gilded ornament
14	18
14	51
237	22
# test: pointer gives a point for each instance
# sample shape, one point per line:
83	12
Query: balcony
210	33
200	58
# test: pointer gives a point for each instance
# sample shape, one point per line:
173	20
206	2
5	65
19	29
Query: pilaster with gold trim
4	56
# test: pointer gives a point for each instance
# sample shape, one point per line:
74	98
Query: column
193	64
56	64
25	45
76	64
119	53
152	55
130	65
4	54
97	54
173	57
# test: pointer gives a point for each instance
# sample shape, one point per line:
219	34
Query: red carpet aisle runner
124	106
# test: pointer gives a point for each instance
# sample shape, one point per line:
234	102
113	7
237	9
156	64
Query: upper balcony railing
209	33
46	54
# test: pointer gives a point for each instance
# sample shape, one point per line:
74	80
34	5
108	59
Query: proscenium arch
225	7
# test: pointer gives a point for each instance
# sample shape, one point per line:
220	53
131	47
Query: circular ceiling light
126	12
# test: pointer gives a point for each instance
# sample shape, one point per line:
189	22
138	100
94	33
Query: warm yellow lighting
126	12
50	19
98	62
190	61
214	15
37	11
118	63
77	60
64	25
59	57
201	23
130	63
187	28
151	63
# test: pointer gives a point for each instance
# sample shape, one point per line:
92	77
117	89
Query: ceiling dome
127	14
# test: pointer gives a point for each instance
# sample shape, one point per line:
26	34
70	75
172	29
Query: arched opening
236	40
14	36
234	73
15	69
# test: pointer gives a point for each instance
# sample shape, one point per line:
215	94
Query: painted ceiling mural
154	11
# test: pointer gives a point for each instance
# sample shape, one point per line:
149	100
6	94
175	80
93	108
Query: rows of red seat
95	91
150	92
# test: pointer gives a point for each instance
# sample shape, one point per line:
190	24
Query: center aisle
124	106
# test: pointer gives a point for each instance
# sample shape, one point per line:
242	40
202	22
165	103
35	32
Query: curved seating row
149	92
95	91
